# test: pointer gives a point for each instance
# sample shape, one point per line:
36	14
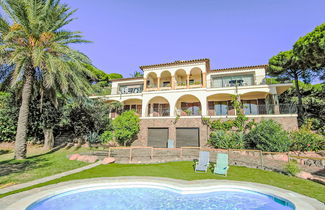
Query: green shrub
93	138
126	127
8	117
292	168
226	140
219	125
106	137
268	135
305	140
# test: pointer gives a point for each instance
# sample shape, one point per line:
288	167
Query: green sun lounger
221	166
203	164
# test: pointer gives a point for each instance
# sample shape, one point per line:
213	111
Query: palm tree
35	52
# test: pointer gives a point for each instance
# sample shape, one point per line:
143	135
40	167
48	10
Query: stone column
144	84
171	110
173	85
276	103
158	83
187	80
144	109
151	110
204	79
204	106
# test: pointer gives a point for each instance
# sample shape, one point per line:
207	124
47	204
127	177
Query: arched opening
255	103
165	80
133	104
158	107
188	105
181	78
152	80
220	105
195	77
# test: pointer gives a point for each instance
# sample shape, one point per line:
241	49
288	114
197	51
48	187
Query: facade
172	98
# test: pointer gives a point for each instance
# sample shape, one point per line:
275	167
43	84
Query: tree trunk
300	108
48	138
20	143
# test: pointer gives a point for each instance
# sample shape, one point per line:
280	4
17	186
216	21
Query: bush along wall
267	135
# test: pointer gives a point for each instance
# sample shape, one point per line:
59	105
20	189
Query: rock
82	158
91	159
305	175
74	157
108	160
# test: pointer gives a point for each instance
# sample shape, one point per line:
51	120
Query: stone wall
171	124
288	123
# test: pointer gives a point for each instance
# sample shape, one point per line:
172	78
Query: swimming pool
159	197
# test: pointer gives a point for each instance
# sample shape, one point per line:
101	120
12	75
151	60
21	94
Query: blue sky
127	33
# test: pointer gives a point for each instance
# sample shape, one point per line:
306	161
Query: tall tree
286	65
136	74
35	50
313	102
102	77
311	50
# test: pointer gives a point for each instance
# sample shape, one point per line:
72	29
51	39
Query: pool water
154	198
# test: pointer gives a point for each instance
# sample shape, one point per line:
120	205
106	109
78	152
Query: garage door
157	137
187	137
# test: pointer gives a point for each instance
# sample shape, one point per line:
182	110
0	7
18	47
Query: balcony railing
254	109
130	89
159	112
239	83
114	114
188	112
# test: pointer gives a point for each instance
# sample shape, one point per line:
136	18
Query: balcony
233	81
159	112
253	109
130	89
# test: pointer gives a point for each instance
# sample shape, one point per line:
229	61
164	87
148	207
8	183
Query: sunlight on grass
37	166
184	170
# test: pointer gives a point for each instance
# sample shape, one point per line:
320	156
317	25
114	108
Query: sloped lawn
184	170
37	166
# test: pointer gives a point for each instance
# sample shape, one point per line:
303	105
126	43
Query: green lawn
184	170
36	166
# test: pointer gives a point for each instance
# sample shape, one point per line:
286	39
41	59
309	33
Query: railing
239	83
138	112
159	112
117	91
186	112
253	109
288	109
130	89
240	157
264	109
227	111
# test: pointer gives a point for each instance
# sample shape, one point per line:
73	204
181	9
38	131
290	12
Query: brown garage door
187	137
157	137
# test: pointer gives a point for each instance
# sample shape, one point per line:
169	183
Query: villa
172	98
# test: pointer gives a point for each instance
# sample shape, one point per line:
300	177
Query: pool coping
22	200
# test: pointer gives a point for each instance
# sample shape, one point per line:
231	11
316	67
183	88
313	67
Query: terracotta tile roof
242	68
177	63
125	79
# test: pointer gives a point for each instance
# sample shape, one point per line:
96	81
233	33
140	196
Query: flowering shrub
305	140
